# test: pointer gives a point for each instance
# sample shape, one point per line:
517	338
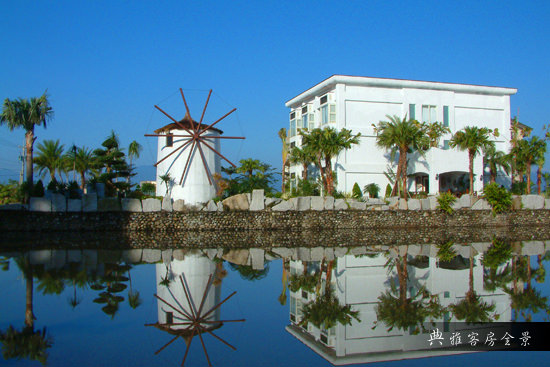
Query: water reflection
347	304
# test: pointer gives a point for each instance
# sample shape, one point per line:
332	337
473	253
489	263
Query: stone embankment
256	212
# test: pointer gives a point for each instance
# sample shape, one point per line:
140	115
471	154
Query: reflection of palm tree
284	280
26	343
326	311
472	308
395	309
133	296
248	273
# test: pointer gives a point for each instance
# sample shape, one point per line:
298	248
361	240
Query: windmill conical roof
188	123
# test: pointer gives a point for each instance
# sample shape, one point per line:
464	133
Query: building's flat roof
397	83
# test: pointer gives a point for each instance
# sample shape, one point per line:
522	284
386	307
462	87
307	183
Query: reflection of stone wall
177	222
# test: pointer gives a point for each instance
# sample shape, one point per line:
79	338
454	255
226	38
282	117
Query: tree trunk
304	171
29	314
539	178
403	163
471	292
528	174
322	173
328	174
83	181
493	175
402	275
395	189
283	177
329	278
29	142
471	169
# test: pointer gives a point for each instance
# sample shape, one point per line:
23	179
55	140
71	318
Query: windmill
189	306
189	156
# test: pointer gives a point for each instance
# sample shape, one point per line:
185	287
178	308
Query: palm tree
403	136
473	139
324	145
284	140
49	157
84	161
134	150
540	152
304	157
528	152
167	180
495	159
27	113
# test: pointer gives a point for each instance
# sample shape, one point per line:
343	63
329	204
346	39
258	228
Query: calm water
98	307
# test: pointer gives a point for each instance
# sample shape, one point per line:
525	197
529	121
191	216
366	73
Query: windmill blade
204	164
218	120
187	163
175	150
206	104
215	151
187	109
178	136
204	348
217	321
224	137
189	298
173	119
208	284
167	344
219	304
168	304
220	339
188	346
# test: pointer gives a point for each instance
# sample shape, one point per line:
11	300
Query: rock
516	202
210	207
481	247
340	251
303	203
178	254
375	201
108	205
89	259
220	206
89	203
414	204
340	204
317	203
329	253
39	257
257	256
283	252
465	201
236	202
481	204
74	256
269	202
131	205
402	204
151	205
74	205
238	257
457	205
151	255
393	201
317	253
283	206
532	201
329	203
257	202
304	254
132	256
166	205
40	205
166	256
178	205
385	207
13	207
358	250
414	250
59	203
357	205
547	204
531	248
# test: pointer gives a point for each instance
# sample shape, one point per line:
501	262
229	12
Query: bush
38	189
388	191
148	188
519	188
10	193
446	201
356	191
373	189
306	188
74	190
498	197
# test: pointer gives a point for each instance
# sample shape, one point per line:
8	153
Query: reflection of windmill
192	138
192	321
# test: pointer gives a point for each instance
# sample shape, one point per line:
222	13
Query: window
445	145
292	131
169	140
328	111
429	114
412	112
169	317
446	116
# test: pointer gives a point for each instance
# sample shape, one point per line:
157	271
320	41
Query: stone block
317	203
481	204
304	254
358	250
59	203
393	202
219	206
179	206
329	203
270	202
108	205
465	201
547	204
151	205
481	247
257	202
375	201
39	257
132	256
283	206
74	205
317	253
414	204
151	255
340	204
166	205
531	248
402	204
532	201
74	256
13	207
303	203
340	251
236	202
415	250
357	205
238	257
210	207
282	252
131	205
385	207
166	256
178	254
211	253
516	202
257	256
456	205
89	259
40	205
329	253
58	259
89	203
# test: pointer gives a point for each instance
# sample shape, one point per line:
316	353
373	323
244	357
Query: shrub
373	189
38	189
519	188
74	190
148	188
356	191
446	252
498	254
10	193
306	188
498	197
388	191
446	201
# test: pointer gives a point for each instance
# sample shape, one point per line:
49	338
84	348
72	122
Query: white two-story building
356	103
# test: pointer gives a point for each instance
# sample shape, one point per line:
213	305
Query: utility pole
22	158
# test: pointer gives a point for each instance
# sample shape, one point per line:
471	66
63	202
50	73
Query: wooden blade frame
196	138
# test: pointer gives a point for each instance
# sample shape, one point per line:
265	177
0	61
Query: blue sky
105	64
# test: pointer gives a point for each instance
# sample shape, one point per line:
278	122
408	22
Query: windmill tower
188	156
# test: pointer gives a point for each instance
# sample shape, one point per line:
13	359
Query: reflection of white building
355	103
359	281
